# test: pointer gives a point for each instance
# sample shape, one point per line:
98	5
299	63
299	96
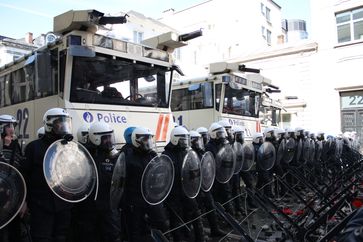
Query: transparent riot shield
338	148
312	151
191	174
266	156
289	151
318	150
249	156
208	171
299	149
70	171
12	193
225	163
118	181
306	151
280	152
238	149
157	179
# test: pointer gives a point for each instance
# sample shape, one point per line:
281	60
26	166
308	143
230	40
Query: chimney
280	39
29	38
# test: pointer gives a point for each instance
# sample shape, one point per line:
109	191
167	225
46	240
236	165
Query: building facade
229	30
321	80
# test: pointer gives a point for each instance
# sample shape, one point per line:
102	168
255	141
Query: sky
21	16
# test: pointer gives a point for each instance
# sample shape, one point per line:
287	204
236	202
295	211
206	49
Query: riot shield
12	193
249	156
238	149
191	174
208	171
289	151
157	179
338	148
280	152
318	150
225	163
326	148
70	171
306	151
299	149
266	156
118	181
312	151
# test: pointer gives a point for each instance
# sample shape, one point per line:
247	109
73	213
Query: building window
263	32
138	37
350	25
268	36
268	17
263	9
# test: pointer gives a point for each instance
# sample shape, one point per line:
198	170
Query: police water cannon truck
94	77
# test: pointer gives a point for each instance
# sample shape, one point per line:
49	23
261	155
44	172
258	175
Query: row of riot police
89	191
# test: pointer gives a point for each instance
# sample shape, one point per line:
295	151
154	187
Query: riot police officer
221	192
180	206
50	216
205	199
279	137
263	177
247	176
10	153
235	182
102	218
137	156
40	132
203	131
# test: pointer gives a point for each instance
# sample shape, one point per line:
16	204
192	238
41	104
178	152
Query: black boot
215	231
199	230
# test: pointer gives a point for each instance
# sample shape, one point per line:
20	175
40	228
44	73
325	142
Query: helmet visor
184	140
220	134
62	125
146	141
9	129
108	141
239	137
197	142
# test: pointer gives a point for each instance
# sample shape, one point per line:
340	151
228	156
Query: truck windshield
106	80
241	102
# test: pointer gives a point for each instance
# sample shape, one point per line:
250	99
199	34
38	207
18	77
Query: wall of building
229	30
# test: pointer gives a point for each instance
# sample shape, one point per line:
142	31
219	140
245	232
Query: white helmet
194	134
299	131
268	132
180	136
57	120
40	132
196	140
142	138
290	132
312	135
279	133
227	126
102	135
320	134
239	133
217	131
203	131
7	121
83	133
257	137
